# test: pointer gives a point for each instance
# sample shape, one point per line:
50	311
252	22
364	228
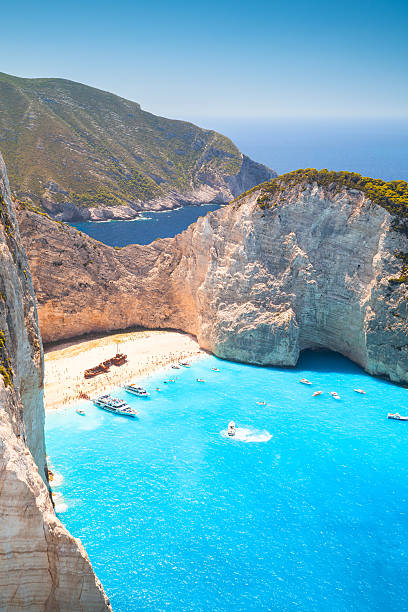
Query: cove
307	510
145	229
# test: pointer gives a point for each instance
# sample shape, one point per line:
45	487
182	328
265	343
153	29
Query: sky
255	59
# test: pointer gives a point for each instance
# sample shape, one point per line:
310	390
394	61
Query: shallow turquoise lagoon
307	510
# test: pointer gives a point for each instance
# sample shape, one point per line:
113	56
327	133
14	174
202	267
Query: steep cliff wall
42	567
294	264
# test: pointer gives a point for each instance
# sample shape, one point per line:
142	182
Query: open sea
306	509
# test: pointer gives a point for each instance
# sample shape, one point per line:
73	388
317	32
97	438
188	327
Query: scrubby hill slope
79	152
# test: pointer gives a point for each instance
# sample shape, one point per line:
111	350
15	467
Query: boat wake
243	434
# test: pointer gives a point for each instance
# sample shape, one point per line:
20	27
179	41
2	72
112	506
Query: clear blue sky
222	58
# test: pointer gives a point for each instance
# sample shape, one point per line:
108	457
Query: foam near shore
147	352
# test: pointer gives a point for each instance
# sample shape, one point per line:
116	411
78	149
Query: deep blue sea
307	509
371	147
146	228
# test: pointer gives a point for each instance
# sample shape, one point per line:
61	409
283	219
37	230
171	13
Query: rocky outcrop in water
292	265
42	567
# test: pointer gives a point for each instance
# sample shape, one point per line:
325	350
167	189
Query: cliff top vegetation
392	195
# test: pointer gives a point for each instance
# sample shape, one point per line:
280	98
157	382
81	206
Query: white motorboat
231	428
117	406
396	416
335	395
139	391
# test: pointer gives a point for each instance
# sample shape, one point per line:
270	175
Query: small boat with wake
215	369
317	393
185	364
360	391
231	429
135	390
175	367
396	416
305	381
117	406
80	412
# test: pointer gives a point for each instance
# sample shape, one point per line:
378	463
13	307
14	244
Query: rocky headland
42	567
308	260
80	153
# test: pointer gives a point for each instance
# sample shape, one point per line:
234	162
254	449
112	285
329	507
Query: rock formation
42	567
305	261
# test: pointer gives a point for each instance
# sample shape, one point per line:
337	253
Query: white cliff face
42	567
253	284
311	272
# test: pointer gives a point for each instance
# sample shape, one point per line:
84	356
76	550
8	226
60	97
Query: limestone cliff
300	262
42	567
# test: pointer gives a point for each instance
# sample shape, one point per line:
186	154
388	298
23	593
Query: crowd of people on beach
66	385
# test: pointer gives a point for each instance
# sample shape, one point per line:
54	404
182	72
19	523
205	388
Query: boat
95	371
175	367
118	360
397	417
317	393
360	391
139	391
231	428
334	394
305	381
200	380
215	369
81	412
117	406
185	364
261	403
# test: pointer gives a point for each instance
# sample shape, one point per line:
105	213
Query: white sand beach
147	351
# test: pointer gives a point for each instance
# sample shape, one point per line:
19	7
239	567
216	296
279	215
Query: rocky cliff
309	260
82	153
42	567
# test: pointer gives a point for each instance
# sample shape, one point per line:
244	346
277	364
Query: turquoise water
147	227
307	510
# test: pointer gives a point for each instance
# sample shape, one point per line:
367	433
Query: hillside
77	151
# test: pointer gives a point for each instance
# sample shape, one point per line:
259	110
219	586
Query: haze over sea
306	509
372	148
